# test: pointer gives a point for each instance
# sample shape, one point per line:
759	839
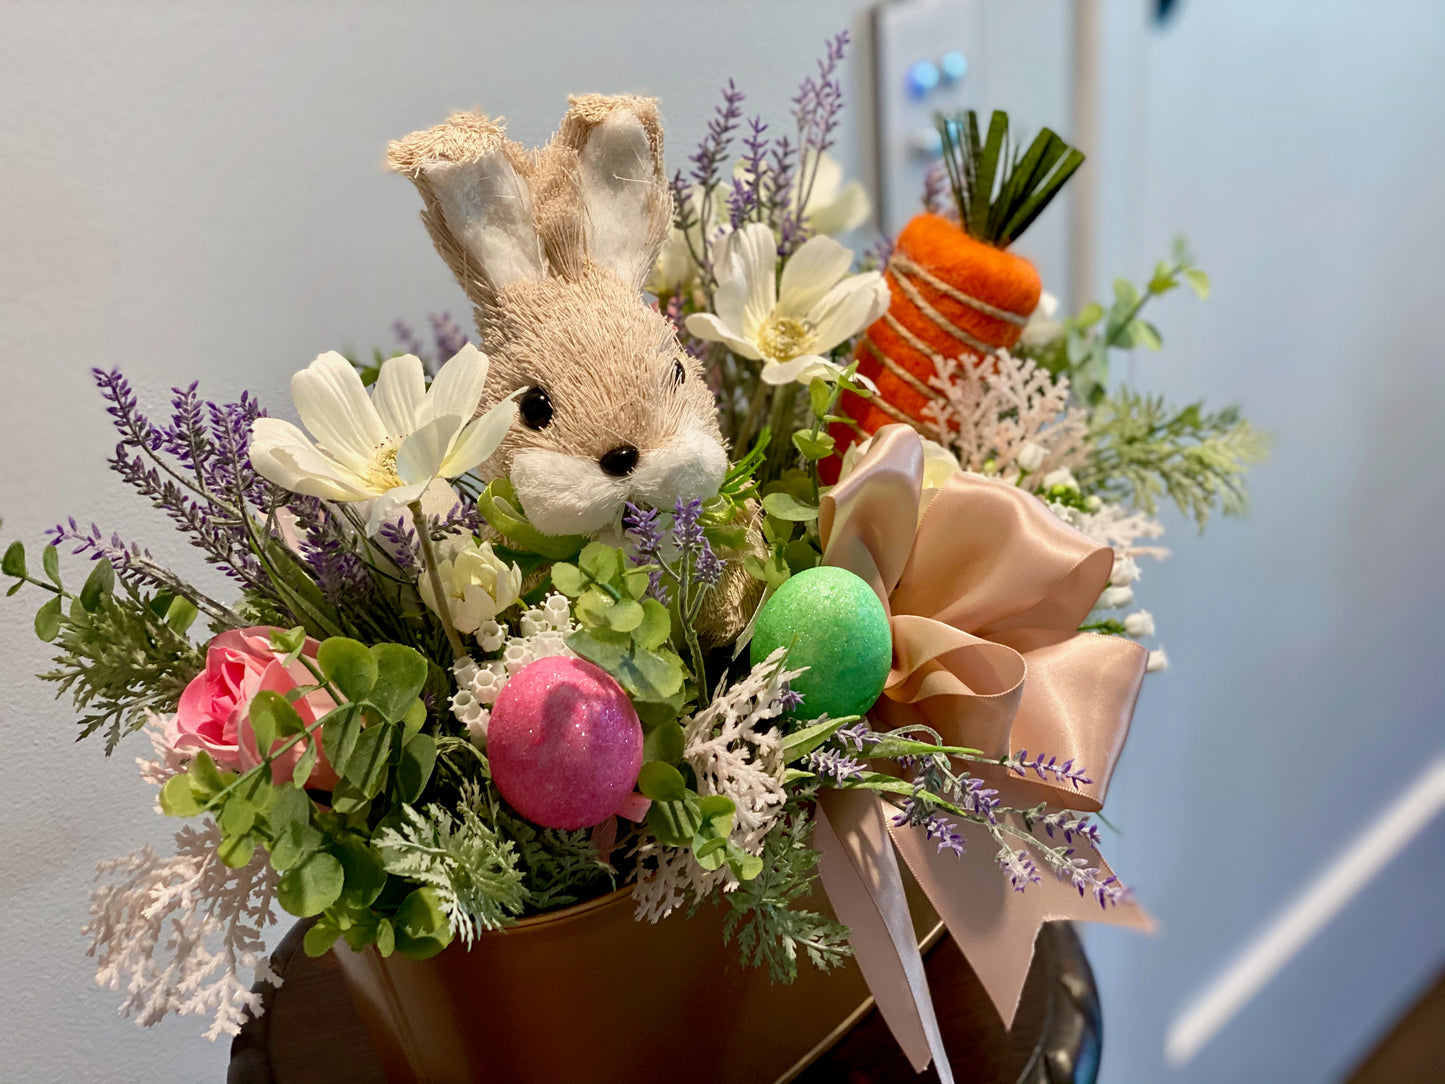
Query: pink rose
214	710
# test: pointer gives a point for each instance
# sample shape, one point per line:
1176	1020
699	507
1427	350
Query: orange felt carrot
956	292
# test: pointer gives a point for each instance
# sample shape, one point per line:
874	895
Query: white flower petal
810	273
333	404
847	211
391	504
281	453
848	308
756	251
801	369
458	387
398	395
480	438
704	325
420	457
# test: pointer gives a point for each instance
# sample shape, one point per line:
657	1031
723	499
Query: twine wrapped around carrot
957	293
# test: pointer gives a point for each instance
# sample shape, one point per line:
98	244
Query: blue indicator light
954	66
922	77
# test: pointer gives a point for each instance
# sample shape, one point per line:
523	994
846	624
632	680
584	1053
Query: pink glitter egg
564	743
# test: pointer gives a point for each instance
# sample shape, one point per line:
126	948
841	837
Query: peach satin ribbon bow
985	591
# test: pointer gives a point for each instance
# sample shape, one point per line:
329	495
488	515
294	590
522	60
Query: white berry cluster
542	633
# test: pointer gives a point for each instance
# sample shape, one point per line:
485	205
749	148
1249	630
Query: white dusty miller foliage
734	751
993	412
175	932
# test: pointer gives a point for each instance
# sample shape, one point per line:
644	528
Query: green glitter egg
831	622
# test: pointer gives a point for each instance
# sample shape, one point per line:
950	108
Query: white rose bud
1157	661
1139	624
1031	456
478	585
1061	477
1115	598
1125	572
939	465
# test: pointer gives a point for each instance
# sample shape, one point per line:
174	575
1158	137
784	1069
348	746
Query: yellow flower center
383	467
783	338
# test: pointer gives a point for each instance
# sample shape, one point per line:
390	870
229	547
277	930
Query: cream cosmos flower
386	447
788	326
833	206
478	585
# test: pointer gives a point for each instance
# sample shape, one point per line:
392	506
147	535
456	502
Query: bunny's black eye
679	374
535	408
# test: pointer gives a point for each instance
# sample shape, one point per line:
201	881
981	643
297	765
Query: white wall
1300	147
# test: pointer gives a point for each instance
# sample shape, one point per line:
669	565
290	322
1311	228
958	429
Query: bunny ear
478	202
625	197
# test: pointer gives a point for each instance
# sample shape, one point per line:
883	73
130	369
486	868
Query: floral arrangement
436	697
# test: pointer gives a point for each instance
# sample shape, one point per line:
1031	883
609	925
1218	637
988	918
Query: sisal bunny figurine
552	247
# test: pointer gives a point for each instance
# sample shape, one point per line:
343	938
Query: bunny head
552	247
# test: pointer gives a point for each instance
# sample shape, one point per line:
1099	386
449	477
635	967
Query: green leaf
363	874
654	629
499	510
306	764
1146	334
1126	295
13	563
671	822
204	771
401	673
366	770
340	728
599	650
236	816
422	929
236	851
349	665
385	937
820	396
272	717
177	799
50	561
291	844
744	866
1089	315
347	800
803	741
664	743
319	939
714	824
415	717
47	620
1198	282
653	675
624	615
813	447
661	782
288	643
311	887
291	806
568	579
413	770
600	561
634	583
100	582
786	506
181	614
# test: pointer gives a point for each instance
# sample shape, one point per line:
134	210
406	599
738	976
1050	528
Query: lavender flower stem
428	556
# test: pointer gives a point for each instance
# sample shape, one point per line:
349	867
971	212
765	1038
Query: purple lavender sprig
817	108
830	764
642	527
858	735
945	832
1019	866
750	198
1065	772
788	700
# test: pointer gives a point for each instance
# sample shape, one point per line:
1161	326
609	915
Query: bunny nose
620	460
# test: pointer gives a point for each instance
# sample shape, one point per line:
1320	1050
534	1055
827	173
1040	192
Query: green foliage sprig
1145	450
121	657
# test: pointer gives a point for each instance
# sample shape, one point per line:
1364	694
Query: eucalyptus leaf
786	506
568	579
340	728
664	743
177	799
1198	282
312	886
366	770
48	619
401	674
98	584
306	764
363	874
236	851
319	939
654	629
661	782
13	563
349	665
413	770
50	561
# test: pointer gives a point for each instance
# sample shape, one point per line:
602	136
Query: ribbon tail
993	925
865	888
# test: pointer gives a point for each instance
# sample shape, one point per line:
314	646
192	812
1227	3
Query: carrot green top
1000	190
